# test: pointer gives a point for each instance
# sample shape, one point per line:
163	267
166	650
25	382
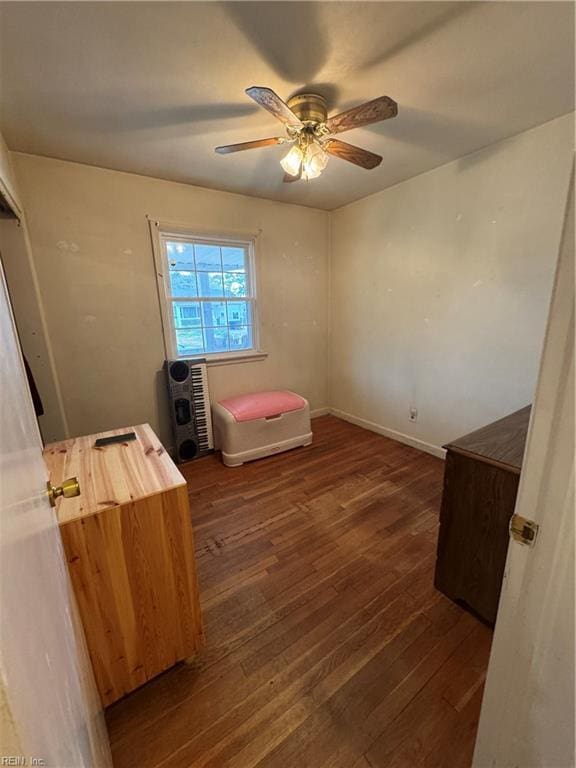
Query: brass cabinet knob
68	489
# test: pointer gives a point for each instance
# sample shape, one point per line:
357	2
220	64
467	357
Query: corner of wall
8	185
47	340
329	312
26	293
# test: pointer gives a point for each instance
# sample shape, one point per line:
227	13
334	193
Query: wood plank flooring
327	644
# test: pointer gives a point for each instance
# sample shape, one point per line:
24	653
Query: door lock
68	489
523	531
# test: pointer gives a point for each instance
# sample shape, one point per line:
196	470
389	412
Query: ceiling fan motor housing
310	108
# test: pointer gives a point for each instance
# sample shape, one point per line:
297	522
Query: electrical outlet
413	413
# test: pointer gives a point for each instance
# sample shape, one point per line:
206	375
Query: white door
49	711
527	718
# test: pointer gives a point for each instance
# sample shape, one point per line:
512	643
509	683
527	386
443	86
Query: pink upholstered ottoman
252	426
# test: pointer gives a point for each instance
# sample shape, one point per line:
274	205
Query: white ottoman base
237	459
255	439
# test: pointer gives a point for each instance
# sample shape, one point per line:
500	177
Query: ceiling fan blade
373	111
225	150
274	104
353	154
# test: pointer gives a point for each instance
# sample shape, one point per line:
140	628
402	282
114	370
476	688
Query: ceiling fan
309	130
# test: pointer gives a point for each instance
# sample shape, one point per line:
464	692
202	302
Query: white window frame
163	231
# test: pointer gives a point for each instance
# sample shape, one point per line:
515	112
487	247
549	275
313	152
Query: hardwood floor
326	643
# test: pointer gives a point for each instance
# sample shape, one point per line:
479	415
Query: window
210	298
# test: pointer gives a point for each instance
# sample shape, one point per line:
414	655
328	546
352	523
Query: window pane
216	339
208	258
210	295
241	337
189	342
235	284
183	283
180	255
233	259
210	284
238	313
186	314
214	313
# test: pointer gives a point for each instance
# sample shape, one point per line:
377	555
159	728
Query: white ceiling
152	87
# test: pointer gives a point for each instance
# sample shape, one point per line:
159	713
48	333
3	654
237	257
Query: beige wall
16	258
29	312
441	286
92	252
439	290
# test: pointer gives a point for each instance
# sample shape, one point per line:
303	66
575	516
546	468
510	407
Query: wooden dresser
480	486
129	545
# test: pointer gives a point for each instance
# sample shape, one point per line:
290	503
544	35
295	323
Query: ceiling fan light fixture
315	161
292	162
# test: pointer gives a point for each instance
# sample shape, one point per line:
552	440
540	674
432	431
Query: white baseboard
400	437
319	412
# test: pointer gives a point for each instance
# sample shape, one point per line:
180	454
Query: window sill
236	357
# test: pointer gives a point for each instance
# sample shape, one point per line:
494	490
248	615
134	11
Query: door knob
68	489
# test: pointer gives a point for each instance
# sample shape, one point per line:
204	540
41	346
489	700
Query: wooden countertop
501	443
112	475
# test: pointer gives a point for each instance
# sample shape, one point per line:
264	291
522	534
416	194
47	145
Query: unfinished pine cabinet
130	550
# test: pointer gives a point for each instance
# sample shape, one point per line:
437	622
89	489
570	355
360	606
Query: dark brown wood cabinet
480	486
